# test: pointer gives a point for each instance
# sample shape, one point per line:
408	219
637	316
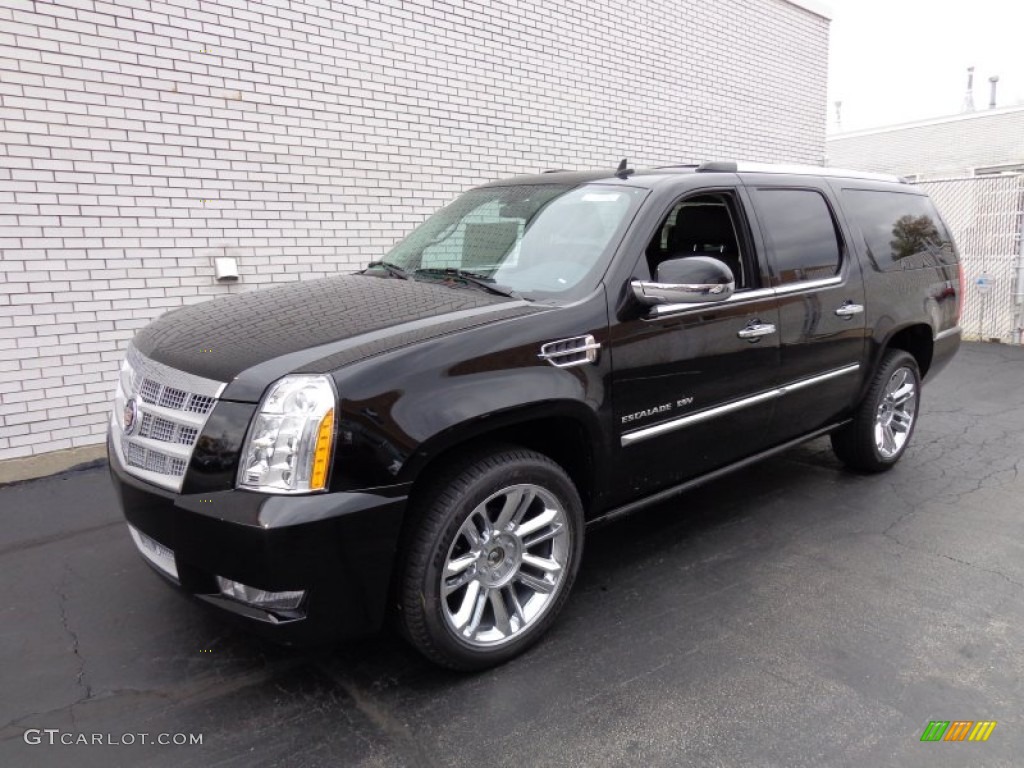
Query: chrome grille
200	404
166	431
149	391
163	430
151	461
173	407
173	398
153	392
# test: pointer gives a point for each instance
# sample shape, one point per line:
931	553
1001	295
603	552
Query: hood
266	334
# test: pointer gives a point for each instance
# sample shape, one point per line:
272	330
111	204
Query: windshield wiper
487	283
392	269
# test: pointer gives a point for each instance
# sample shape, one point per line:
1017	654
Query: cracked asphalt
790	615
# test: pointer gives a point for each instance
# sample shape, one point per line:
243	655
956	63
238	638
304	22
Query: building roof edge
814	6
981	113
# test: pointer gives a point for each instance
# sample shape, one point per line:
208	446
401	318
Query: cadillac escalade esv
429	438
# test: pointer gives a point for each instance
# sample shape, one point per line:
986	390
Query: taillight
961	294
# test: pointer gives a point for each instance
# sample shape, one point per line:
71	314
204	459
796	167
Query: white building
143	139
970	144
972	165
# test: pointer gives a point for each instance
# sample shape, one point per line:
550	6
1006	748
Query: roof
649	177
954	145
976	115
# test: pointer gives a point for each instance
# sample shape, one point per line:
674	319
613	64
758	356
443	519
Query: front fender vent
566	353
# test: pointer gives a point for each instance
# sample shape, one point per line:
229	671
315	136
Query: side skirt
675	490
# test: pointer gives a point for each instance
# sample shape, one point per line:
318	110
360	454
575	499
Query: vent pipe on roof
994	80
969	96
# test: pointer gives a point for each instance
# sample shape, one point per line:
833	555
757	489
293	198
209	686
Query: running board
675	490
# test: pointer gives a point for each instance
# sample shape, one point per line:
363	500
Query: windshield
539	241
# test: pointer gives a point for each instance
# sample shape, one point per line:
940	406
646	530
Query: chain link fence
986	214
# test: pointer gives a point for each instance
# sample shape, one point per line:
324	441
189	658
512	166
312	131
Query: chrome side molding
696	418
661	310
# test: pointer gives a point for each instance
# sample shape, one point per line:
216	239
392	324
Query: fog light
270	601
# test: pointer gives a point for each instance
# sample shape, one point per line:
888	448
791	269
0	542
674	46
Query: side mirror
687	280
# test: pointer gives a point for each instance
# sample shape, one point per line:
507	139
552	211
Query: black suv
428	438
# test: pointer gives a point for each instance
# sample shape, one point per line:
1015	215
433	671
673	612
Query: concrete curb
31	467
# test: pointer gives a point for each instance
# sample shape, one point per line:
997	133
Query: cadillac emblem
130	417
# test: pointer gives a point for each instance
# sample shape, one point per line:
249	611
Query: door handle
849	310
755	331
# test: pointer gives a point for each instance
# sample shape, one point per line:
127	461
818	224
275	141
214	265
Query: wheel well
562	439
917	340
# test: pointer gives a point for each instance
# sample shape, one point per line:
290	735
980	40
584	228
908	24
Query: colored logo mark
958	730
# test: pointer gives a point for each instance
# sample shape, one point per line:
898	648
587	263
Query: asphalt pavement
793	614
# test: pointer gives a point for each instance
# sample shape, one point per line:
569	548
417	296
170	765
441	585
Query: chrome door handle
756	331
849	310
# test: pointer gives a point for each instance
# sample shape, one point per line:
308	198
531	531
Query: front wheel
884	422
492	559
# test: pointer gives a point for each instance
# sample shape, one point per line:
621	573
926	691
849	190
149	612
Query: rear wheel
492	560
884	422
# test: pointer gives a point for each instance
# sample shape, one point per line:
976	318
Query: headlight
288	448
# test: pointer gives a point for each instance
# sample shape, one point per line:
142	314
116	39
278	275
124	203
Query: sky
895	61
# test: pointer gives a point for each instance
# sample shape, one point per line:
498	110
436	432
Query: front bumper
337	547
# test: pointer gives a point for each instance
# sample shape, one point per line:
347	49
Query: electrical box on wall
225	269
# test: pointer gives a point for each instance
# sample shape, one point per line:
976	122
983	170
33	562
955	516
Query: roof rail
718	166
798	170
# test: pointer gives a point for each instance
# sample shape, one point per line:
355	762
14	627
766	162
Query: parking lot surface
792	614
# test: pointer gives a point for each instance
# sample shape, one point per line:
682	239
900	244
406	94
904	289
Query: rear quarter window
898	230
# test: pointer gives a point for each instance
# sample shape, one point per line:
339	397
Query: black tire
858	443
445	515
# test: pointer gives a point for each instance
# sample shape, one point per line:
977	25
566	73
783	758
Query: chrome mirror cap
650	293
687	280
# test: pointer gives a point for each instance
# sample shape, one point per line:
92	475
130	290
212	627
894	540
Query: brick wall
941	148
138	140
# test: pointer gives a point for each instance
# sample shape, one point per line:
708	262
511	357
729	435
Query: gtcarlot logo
54	736
958	730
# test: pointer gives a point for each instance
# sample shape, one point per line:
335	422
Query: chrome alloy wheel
896	413
505	565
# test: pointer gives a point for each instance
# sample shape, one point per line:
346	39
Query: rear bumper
337	547
945	348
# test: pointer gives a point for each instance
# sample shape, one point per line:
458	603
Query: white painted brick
31	440
323	132
934	149
13	453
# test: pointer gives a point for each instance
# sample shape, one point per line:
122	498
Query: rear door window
899	230
801	233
